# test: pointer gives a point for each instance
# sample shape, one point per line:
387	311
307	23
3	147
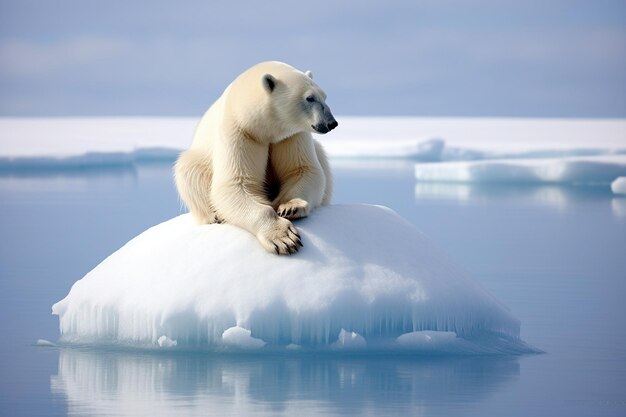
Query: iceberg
365	279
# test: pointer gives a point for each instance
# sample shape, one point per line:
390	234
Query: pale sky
533	58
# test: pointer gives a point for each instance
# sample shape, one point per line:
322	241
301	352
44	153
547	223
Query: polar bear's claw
293	209
280	237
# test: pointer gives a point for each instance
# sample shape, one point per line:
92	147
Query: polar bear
253	162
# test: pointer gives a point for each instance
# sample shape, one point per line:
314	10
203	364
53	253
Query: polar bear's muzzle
325	128
327	125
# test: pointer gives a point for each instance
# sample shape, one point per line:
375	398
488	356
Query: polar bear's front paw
293	209
281	237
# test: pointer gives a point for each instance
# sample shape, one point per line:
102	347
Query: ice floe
572	170
364	278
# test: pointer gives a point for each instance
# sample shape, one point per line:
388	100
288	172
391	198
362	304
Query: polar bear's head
272	101
298	102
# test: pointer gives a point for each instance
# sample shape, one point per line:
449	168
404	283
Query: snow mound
619	185
582	170
364	277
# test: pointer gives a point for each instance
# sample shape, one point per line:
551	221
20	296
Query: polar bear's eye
310	99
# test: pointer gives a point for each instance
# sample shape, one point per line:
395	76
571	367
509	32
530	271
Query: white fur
223	176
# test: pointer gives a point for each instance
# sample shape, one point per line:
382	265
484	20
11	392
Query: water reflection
618	205
97	383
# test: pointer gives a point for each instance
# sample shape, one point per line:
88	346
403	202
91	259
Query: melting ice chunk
293	346
241	338
44	343
166	342
619	185
349	340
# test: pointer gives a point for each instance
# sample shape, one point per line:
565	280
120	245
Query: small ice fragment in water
619	185
349	340
166	342
293	346
241	338
44	343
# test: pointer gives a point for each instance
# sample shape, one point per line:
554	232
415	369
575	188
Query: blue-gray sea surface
555	255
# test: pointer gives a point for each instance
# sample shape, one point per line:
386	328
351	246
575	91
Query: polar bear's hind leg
193	174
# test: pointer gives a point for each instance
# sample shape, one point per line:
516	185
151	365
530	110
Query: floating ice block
364	278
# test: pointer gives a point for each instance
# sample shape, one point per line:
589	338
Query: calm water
555	255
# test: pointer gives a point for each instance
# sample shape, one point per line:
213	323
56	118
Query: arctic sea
556	255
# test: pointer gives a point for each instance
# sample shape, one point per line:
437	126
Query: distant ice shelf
365	279
29	143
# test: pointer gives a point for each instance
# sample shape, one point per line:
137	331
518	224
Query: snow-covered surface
364	277
90	140
575	170
619	185
105	141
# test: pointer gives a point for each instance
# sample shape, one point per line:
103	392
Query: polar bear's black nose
332	125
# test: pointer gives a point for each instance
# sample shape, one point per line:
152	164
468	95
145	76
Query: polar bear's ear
309	74
269	83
